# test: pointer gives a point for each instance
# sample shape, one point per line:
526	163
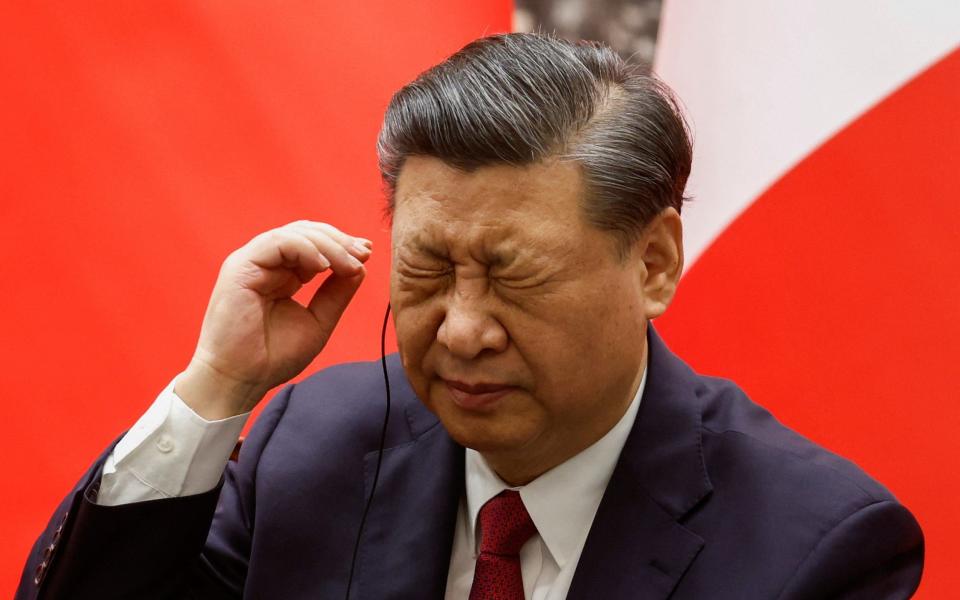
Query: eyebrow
416	243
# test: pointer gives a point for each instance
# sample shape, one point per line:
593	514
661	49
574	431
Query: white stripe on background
765	82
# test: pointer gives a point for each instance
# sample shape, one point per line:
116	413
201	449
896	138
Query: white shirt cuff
171	451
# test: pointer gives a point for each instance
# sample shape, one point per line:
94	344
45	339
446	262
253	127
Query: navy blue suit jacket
711	498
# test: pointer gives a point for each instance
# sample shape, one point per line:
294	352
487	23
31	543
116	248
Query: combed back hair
522	98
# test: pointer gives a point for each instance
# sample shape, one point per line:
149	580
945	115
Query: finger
332	298
285	249
276	264
345	261
344	238
306	266
357	246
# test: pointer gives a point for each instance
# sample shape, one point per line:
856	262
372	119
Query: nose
468	328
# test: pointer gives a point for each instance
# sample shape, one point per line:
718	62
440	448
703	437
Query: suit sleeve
876	553
188	547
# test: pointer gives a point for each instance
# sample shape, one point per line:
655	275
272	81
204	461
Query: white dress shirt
171	451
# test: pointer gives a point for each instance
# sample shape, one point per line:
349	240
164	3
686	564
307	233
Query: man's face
518	324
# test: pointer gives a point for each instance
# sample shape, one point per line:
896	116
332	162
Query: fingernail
363	242
355	262
361	247
324	263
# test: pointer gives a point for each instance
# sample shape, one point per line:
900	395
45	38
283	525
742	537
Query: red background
140	144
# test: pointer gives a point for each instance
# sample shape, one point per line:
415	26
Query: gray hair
520	98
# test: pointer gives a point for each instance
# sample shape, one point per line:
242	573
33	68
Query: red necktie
505	526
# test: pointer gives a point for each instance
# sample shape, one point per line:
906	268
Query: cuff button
165	444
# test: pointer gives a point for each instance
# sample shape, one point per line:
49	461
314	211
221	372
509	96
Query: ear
661	248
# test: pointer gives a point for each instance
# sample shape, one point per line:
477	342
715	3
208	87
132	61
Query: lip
477	396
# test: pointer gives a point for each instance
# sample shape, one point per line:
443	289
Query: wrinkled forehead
553	186
493	205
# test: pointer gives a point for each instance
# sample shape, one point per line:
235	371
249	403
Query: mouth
477	396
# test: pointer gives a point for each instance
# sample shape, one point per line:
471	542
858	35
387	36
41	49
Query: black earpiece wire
383	439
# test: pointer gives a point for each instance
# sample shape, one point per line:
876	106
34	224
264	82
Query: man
542	443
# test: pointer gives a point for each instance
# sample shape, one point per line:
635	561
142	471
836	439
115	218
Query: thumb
332	298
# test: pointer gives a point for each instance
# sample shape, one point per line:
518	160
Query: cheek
553	346
412	340
416	328
581	336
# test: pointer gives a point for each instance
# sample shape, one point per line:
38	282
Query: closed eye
423	272
520	283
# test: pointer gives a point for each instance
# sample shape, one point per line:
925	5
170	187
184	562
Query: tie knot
505	524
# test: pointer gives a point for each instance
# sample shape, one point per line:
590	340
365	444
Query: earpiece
383	439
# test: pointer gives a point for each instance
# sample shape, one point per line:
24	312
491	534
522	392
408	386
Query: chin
486	434
483	442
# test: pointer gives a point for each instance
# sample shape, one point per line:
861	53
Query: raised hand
254	335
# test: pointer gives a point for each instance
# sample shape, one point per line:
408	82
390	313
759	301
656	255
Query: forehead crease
477	240
462	239
496	210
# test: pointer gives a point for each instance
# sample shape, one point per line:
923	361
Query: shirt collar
563	501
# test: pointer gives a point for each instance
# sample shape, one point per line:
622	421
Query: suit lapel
635	550
407	540
637	547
